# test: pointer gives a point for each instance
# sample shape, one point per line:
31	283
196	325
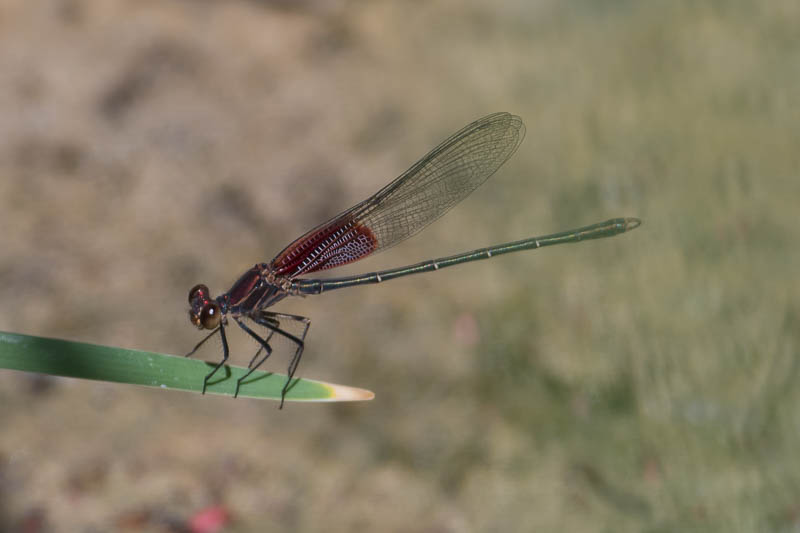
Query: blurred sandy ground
641	383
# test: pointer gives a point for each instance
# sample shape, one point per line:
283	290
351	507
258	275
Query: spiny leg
250	364
264	345
199	344
221	330
266	319
253	360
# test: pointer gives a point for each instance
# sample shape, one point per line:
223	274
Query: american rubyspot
423	193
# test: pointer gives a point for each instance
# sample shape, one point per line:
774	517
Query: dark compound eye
199	290
210	315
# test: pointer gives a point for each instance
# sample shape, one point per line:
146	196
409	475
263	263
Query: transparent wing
423	193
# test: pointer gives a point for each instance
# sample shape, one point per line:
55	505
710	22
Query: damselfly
423	193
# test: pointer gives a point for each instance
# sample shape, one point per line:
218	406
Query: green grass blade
106	363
